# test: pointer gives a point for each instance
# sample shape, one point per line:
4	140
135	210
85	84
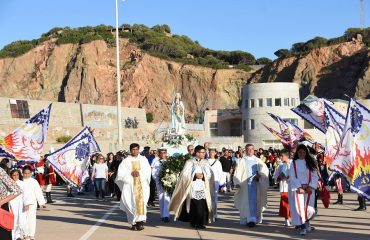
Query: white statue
178	115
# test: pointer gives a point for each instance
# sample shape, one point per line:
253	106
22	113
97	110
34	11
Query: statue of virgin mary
178	115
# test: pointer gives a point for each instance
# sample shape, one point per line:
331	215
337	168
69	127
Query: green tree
283	53
263	61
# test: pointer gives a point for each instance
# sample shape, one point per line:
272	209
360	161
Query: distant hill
329	71
79	65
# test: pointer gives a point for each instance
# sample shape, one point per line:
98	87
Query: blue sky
260	27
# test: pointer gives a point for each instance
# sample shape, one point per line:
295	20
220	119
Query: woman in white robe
303	180
17	206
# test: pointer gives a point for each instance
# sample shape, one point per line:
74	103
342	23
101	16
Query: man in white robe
133	179
163	196
218	175
251	180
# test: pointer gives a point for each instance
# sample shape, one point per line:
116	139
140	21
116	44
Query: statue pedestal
177	144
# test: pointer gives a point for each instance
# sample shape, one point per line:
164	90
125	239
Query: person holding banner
303	182
50	179
133	179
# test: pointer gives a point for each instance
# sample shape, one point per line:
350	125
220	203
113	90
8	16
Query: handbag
6	220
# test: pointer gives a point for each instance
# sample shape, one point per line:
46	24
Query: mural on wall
100	119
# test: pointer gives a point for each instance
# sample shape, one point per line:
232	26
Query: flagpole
119	118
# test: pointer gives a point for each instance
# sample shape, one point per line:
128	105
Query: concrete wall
70	118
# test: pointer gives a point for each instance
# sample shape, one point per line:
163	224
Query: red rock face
327	72
87	74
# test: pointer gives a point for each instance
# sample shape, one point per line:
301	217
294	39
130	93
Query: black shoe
134	228
140	226
359	209
166	219
201	227
251	224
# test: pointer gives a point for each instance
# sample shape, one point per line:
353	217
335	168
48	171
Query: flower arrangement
170	171
173	139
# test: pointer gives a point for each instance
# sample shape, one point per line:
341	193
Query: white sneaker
287	223
303	232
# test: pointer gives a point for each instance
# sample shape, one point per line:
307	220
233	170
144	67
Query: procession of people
295	174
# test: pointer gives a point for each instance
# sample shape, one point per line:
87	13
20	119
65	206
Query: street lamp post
119	118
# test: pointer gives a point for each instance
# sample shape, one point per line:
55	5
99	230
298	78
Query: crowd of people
299	174
132	177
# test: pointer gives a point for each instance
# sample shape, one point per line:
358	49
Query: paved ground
83	218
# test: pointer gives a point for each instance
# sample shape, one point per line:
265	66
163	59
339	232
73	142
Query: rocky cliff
86	73
329	72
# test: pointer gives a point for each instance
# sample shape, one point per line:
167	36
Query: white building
260	98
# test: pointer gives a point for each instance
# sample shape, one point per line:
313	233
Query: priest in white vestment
251	180
163	196
193	198
133	179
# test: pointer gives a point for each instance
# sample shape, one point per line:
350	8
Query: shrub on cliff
263	61
63	139
149	117
17	48
283	53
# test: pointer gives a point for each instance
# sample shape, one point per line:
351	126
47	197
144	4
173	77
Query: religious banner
72	160
277	134
334	129
312	110
27	142
83	133
292	134
304	136
352	158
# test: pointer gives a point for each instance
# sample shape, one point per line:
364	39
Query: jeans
100	187
227	181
